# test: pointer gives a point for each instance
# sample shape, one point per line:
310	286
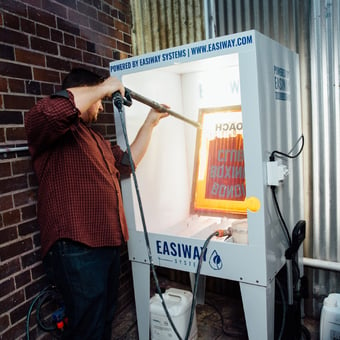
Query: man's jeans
88	280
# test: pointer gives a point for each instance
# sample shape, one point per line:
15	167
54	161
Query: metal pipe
25	148
160	108
322	264
290	282
13	149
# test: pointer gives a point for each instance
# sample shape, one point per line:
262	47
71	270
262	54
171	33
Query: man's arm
142	140
85	96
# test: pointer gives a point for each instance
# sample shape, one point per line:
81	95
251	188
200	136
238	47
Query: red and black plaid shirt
78	173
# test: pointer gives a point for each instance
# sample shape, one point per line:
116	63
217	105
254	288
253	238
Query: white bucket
330	318
240	231
178	303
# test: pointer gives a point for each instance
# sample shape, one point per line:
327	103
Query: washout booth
216	169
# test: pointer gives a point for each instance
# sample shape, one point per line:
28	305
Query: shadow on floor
220	318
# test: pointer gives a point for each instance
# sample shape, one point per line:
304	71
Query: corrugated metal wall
326	127
325	71
281	20
311	28
165	23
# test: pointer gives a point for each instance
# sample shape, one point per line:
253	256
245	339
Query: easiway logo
189	252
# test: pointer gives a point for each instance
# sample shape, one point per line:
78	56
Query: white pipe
330	265
13	149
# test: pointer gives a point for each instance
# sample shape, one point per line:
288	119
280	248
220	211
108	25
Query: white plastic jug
178	303
330	318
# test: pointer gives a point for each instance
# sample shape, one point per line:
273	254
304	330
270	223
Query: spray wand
127	101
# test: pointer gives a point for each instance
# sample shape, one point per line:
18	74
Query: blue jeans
88	280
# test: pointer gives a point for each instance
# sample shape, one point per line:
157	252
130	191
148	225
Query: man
80	208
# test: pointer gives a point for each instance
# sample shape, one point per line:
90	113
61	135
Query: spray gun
119	101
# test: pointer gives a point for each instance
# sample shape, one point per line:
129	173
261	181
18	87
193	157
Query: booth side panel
253	153
280	122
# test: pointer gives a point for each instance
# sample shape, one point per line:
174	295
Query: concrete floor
220	318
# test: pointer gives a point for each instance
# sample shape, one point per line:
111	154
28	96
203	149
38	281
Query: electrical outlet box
276	173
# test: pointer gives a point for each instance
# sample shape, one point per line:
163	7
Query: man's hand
155	116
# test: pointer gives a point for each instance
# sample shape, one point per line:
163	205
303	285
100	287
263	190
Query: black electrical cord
118	102
288	155
282	221
284	225
278	210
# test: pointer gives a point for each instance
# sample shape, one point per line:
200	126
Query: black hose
47	293
119	105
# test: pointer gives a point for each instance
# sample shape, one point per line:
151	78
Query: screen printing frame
223	172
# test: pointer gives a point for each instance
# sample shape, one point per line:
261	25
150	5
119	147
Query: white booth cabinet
243	92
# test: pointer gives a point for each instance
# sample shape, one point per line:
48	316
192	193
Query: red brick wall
40	41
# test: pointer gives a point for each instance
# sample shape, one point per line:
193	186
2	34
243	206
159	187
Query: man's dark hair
81	77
